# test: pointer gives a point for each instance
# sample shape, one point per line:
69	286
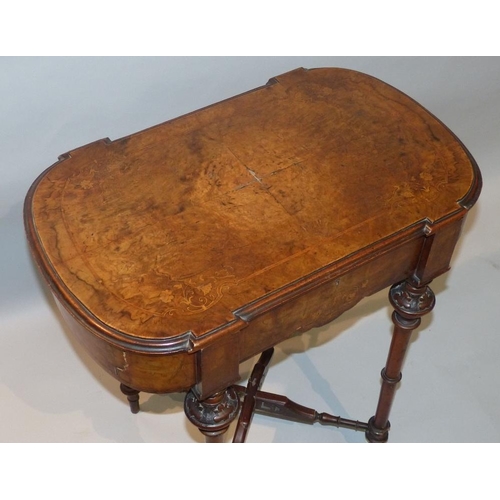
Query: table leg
132	396
410	302
213	415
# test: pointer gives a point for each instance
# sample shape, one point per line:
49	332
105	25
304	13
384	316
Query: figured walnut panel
174	228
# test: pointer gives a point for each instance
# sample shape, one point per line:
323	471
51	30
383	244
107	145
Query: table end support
410	302
132	397
213	415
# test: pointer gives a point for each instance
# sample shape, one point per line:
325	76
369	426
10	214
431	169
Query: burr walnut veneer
180	251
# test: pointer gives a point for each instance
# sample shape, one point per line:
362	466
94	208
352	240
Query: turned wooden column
410	303
132	396
214	414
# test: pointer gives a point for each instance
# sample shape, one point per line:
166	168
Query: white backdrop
51	391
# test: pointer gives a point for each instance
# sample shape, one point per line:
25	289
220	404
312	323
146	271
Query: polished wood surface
182	250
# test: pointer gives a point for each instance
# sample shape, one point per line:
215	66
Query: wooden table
180	251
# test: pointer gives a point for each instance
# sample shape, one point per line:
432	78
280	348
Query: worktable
178	252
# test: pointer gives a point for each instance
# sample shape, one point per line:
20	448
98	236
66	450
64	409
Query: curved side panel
146	372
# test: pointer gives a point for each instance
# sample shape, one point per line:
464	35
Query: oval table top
178	229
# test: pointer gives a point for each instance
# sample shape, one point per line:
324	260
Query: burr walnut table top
189	229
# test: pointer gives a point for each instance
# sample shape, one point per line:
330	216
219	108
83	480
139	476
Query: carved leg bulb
410	302
132	396
213	415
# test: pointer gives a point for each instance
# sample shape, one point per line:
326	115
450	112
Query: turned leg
132	396
410	303
213	415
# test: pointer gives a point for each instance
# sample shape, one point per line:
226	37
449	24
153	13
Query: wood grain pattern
232	224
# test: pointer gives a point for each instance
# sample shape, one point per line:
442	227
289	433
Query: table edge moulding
178	252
